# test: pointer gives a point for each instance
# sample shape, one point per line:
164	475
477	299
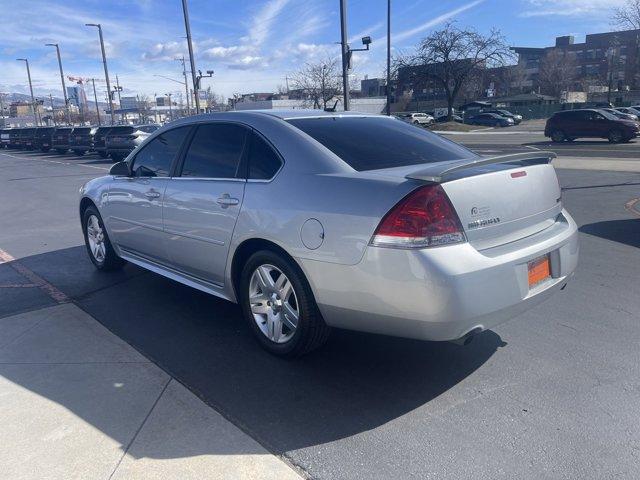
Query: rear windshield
147	128
371	143
82	130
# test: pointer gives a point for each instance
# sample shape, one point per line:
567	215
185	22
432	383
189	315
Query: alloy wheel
273	303
95	237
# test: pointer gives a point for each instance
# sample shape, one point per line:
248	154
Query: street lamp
104	61
200	77
186	84
187	27
170	106
347	51
64	88
33	100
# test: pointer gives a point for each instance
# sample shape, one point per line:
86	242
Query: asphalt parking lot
512	141
552	394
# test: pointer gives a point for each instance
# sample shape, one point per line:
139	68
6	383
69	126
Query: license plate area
539	270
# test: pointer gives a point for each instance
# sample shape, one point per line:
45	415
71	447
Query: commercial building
373	87
78	97
128	103
21	109
611	58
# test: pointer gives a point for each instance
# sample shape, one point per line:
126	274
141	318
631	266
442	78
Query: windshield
608	115
370	143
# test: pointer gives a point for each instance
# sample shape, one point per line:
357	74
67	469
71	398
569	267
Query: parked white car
417	118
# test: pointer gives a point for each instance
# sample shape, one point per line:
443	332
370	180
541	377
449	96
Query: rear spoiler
438	172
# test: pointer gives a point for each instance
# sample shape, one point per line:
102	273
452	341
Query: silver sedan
312	220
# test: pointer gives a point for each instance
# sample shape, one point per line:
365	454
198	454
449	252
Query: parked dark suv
81	139
61	139
571	124
99	138
43	138
25	140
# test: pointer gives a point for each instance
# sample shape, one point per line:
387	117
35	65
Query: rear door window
215	151
370	143
264	162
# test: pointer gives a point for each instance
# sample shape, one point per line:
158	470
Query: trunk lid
499	199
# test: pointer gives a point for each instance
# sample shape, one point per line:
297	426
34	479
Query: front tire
99	247
558	136
279	306
103	154
615	136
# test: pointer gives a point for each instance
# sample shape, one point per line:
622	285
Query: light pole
106	71
118	89
200	77
388	57
95	99
33	100
187	26
347	52
186	84
64	88
170	107
53	110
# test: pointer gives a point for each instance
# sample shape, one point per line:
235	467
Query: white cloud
164	51
540	8
405	34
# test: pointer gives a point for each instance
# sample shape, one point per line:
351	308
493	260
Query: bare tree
627	17
320	81
452	57
557	72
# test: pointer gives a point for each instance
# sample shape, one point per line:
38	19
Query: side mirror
120	169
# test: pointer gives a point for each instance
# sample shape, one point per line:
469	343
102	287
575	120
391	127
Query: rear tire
61	151
79	152
99	247
310	330
558	136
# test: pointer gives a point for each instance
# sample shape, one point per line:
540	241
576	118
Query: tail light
424	218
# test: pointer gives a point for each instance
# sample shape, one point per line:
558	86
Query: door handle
226	200
151	194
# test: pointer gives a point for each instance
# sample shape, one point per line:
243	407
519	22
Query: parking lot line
58	162
57	295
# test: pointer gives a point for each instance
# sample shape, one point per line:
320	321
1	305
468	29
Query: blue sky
252	45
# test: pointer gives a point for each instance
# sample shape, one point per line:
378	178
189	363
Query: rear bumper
441	293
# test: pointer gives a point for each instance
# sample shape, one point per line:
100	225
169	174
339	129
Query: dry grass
454	127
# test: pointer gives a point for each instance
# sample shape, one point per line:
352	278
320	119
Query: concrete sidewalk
77	402
598	163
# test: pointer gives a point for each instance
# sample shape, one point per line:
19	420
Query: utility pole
345	53
186	83
185	11
64	88
53	111
388	57
170	107
95	98
106	70
33	100
119	89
